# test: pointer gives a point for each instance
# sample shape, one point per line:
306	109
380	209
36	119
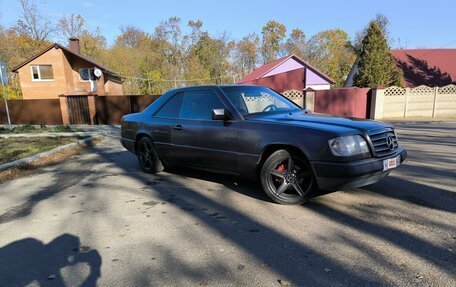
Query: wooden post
436	90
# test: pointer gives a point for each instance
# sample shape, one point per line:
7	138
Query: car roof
192	88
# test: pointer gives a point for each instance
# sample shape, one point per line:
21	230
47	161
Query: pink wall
289	65
314	79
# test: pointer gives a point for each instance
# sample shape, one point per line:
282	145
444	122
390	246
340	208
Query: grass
15	148
33	129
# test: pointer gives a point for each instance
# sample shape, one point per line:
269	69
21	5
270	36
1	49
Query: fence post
436	90
92	110
309	99
377	103
64	109
407	94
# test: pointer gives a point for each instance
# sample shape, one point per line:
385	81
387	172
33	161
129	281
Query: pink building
288	73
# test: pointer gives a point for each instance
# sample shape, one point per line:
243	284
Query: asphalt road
95	219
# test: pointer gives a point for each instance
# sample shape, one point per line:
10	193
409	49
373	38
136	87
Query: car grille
382	145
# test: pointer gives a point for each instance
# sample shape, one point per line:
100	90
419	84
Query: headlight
348	145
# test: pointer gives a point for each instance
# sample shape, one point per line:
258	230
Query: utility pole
4	81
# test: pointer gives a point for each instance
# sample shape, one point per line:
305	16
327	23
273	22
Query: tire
147	156
287	182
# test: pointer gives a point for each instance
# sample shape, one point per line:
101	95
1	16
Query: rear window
171	108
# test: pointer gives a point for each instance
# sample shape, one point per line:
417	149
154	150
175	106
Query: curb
32	158
64	134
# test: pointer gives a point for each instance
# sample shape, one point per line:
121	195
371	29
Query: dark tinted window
254	99
199	104
171	108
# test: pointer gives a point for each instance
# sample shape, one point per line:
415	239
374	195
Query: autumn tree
296	43
376	65
131	37
330	51
71	26
246	54
273	34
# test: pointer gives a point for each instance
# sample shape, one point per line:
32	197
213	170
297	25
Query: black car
254	132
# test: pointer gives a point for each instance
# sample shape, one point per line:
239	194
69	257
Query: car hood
322	121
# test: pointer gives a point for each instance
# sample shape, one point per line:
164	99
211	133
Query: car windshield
251	99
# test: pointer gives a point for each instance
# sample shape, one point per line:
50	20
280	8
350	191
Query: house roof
266	68
431	67
58	46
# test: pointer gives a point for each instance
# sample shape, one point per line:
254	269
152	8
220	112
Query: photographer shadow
29	260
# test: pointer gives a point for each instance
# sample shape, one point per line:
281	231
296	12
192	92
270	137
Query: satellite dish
98	73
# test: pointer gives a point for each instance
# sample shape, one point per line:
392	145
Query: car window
172	107
198	105
255	99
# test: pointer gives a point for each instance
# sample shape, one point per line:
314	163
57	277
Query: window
87	74
250	100
171	108
42	73
196	105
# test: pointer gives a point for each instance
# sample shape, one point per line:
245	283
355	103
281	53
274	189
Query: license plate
391	162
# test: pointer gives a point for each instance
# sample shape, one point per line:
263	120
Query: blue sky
417	24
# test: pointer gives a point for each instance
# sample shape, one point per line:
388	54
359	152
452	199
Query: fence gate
78	110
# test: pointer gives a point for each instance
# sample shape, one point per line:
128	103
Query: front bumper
331	176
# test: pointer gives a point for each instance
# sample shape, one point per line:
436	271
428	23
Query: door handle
178	127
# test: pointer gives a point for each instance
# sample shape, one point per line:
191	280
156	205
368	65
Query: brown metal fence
108	109
32	112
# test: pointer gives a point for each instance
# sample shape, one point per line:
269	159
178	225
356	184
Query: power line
176	80
430	52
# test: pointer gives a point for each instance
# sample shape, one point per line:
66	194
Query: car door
199	141
160	125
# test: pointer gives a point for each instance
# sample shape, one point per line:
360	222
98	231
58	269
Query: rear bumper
128	144
363	172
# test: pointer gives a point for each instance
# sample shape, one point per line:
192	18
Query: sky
413	24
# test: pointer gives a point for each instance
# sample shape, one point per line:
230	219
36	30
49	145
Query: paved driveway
97	219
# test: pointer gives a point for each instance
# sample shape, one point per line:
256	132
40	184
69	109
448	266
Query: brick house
58	70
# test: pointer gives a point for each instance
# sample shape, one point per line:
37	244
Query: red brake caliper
280	168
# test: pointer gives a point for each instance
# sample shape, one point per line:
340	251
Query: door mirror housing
220	115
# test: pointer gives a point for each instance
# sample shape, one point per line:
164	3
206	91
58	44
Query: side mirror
219	115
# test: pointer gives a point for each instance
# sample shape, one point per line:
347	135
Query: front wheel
147	156
287	178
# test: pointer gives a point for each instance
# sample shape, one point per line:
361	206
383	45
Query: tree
330	51
246	54
273	35
92	43
32	23
131	37
382	22
71	26
376	65
296	43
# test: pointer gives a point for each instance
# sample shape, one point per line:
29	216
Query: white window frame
86	81
39	74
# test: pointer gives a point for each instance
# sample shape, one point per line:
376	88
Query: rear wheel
147	156
287	178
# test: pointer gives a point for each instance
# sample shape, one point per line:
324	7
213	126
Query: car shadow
29	260
298	262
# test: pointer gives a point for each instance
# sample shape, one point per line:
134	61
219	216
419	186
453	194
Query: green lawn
33	129
16	148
